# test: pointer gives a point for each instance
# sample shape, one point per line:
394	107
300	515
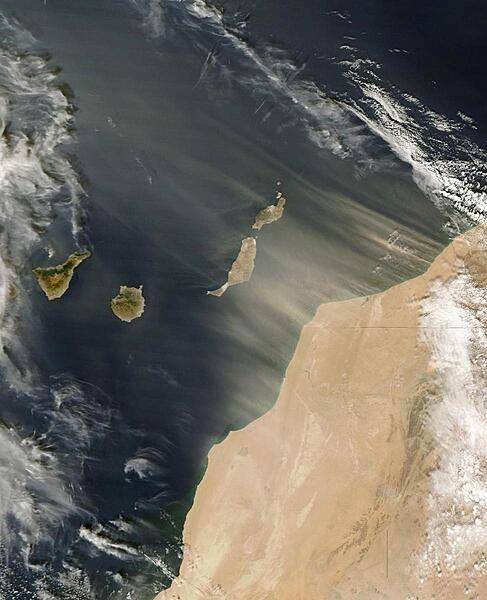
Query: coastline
330	491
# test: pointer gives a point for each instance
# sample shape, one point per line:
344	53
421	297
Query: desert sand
367	479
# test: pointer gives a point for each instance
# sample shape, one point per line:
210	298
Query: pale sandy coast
367	479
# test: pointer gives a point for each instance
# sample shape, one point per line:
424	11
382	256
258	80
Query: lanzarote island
270	213
128	304
55	281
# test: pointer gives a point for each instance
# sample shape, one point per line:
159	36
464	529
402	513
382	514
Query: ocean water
152	132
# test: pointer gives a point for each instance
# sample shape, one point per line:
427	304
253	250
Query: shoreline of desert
334	492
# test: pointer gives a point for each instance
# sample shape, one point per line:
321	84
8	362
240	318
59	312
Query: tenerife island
367	478
54	281
129	303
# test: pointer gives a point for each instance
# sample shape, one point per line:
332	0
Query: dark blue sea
152	132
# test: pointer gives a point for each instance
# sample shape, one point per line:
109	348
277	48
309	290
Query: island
242	267
367	479
54	281
270	213
128	304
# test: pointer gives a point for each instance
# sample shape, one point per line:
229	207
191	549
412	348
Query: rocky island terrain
242	267
54	281
128	304
270	213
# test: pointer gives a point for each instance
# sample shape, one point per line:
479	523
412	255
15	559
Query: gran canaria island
54	281
128	304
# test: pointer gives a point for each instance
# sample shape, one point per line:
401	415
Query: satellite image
243	300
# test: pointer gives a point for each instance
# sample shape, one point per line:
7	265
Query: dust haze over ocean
168	127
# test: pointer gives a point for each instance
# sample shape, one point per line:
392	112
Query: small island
270	213
242	267
54	281
128	304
